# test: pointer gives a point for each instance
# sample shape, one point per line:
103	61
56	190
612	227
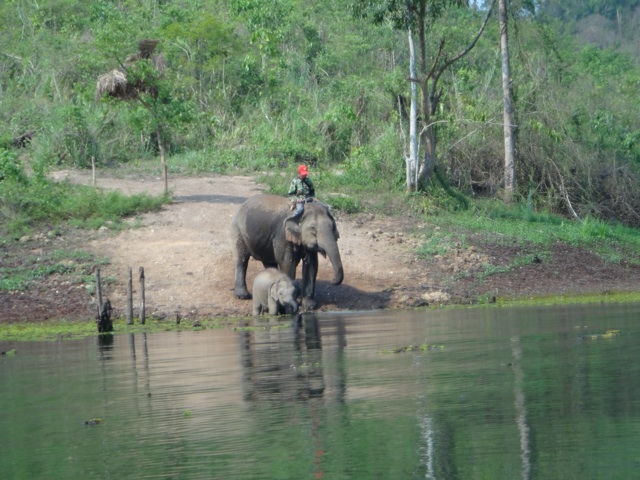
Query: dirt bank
186	254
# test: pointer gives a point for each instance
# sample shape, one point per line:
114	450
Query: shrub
10	168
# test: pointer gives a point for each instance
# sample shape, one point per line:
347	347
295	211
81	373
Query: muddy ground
185	250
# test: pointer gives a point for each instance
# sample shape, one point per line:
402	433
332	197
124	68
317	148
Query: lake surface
500	393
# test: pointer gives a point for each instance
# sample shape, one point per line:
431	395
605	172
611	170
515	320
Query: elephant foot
243	294
308	304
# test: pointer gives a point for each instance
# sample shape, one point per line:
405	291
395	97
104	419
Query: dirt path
186	253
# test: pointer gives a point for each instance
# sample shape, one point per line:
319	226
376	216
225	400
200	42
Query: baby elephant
274	291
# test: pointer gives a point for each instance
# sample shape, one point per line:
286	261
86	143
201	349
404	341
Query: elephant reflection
282	363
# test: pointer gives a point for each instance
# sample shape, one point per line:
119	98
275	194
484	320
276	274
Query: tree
419	16
141	79
412	161
267	22
199	48
509	120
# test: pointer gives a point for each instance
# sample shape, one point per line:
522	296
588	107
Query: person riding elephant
261	229
301	191
274	292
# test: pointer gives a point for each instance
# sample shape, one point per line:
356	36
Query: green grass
57	330
518	261
500	223
18	274
27	204
438	243
606	297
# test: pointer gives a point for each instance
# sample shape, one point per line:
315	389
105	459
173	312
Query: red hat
302	170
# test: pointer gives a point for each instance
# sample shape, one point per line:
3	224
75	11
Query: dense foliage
262	84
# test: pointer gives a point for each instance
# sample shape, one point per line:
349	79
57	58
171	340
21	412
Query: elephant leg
257	307
288	265
273	306
242	261
309	274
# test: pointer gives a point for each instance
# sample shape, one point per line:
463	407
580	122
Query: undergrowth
521	224
18	272
32	202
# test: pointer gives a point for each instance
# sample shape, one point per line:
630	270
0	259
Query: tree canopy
265	84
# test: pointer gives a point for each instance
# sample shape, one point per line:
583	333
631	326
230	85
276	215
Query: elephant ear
292	231
333	221
273	290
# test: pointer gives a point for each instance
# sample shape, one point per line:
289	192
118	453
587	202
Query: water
532	393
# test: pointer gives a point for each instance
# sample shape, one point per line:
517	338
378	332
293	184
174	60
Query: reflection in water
273	371
427	447
341	340
512	393
137	372
105	346
309	362
520	407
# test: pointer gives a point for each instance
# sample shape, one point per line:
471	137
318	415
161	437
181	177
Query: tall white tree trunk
509	120
412	161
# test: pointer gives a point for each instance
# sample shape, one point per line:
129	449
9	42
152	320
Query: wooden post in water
99	291
142	307
130	299
104	318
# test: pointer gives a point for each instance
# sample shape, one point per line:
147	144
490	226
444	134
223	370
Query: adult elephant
261	229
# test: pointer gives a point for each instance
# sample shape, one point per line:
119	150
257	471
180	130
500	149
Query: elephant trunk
291	308
334	256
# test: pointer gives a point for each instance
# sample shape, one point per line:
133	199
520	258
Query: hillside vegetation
260	85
